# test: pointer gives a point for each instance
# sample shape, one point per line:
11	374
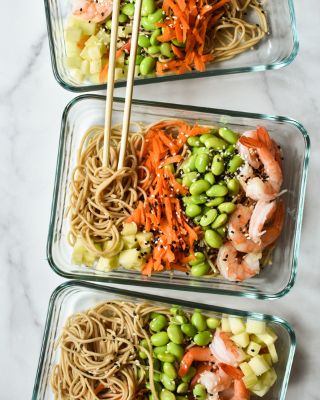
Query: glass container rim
126	281
219	309
225	71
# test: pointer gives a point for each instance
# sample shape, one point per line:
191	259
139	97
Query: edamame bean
220	221
234	186
199	321
199	392
153	37
198	199
165	49
170	370
213	323
199	258
230	150
175	334
199	187
122	18
168	383
158	350
228	135
166	357
147	65
159	339
180	319
194	141
202	162
144	41
182	397
158	323
142	355
210	178
167	395
200	150
209	217
235	163
188	329
217	166
215	143
217	191
189	164
148	7
148	25
213	239
222	231
200	269
183	388
156	16
157	386
215	202
154	315
206	136
109	24
157	364
178	44
176	310
197	219
189	375
139	59
156	376
189	178
144	344
128	9
227	207
192	210
175	349
202	338
152	50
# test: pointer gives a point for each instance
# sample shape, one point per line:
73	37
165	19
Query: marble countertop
31	105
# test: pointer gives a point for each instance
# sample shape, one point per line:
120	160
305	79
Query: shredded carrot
103	73
161	211
99	388
82	41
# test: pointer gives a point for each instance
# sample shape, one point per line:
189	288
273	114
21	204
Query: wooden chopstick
110	82
130	81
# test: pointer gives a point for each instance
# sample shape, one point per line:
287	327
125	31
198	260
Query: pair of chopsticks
110	82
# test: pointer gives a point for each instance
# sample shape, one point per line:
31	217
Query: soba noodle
98	353
102	198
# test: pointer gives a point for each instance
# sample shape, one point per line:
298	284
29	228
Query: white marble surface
31	104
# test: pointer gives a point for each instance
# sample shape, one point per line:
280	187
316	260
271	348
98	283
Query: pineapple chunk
131	259
259	365
261	392
107	246
88	28
78	252
269	337
254	326
130	241
74	62
268	358
246	369
144	239
89	258
250	381
242	339
256	339
94	53
95	78
273	353
72	49
72	34
269	378
253	349
85	67
236	325
107	264
129	229
225	324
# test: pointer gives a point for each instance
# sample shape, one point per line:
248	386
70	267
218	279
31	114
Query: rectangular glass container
72	297
278	49
274	281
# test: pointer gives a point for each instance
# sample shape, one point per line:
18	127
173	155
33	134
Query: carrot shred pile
161	211
188	22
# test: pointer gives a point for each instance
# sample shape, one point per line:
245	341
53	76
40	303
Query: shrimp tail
250	142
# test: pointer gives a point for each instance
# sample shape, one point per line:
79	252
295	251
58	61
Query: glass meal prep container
72	297
276	50
273	281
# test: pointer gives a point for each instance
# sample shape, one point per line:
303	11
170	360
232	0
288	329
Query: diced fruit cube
254	326
259	365
130	241
256	339
250	381
78	252
95	78
89	28
89	258
268	358
225	325
95	66
242	339
253	349
261	392
273	353
129	229
269	378
94	53
119	74
107	246
107	264
131	259
72	49
144	239
85	67
120	60
236	325
74	62
72	34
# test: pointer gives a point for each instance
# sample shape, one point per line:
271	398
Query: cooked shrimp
240	391
225	350
249	154
258	188
216	381
274	229
238	232
263	211
92	10
234	269
196	353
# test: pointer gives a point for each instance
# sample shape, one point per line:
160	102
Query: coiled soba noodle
98	353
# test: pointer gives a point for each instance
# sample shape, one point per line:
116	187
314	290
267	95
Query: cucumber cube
253	349
242	339
254	326
131	259
225	325
107	264
72	34
130	241
129	229
236	325
259	365
273	353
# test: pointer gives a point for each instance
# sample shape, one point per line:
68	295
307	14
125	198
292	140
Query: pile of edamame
170	336
210	174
